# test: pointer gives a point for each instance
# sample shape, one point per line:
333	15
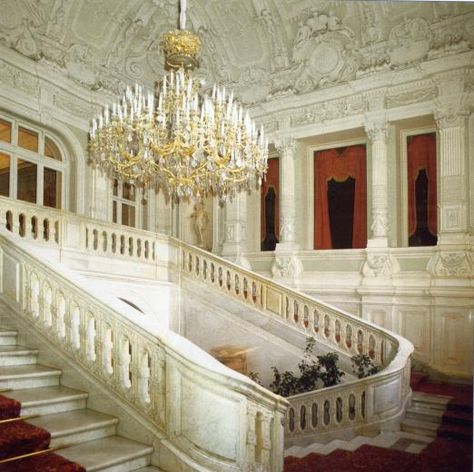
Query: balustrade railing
366	401
172	385
353	404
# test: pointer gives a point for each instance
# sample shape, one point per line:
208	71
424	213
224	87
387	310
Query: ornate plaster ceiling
261	48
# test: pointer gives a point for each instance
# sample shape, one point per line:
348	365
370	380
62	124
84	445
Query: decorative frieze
451	264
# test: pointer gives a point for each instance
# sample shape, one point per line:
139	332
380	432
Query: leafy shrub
310	371
363	366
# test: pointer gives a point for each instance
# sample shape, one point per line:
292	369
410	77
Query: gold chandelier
180	140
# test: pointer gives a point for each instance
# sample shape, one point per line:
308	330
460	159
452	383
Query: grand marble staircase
86	436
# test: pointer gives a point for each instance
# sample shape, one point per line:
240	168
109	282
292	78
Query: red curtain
340	164
272	179
422	156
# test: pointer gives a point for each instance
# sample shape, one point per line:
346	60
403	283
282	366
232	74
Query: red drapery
272	179
340	164
422	155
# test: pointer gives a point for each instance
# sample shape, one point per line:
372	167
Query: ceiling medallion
179	139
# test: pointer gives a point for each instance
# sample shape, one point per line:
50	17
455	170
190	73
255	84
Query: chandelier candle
181	140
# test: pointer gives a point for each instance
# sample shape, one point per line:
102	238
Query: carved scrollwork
451	264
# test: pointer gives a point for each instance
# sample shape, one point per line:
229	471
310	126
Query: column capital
286	146
376	128
451	111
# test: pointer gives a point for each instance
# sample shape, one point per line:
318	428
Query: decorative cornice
451	111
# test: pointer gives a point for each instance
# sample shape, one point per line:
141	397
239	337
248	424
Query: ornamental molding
451	111
286	266
377	130
408	94
380	264
445	263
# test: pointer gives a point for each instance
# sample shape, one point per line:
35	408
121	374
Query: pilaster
451	116
235	230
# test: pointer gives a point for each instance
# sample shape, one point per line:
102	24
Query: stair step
17	355
28	376
431	400
8	337
49	400
73	427
423	413
151	468
112	454
423	428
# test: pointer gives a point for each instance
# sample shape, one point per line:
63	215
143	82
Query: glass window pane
114	212
27	175
27	139
52	188
128	191
115	187
4	175
5	131
51	150
128	215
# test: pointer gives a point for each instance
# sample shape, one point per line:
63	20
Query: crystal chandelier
180	139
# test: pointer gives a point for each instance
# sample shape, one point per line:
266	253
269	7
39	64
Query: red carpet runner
19	437
450	451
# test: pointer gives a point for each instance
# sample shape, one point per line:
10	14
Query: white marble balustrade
369	401
169	382
366	401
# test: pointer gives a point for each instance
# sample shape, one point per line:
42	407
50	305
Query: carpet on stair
9	408
43	463
19	437
448	452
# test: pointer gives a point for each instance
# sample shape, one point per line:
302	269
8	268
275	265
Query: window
32	166
124	203
340	206
421	185
270	207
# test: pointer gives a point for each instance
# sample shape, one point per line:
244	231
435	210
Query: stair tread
426	411
150	468
420	424
25	371
8	332
440	400
106	452
16	350
44	395
60	424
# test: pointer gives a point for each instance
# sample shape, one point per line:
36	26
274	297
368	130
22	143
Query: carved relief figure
201	222
323	51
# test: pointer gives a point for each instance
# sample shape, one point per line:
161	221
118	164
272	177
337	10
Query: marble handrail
330	326
371	400
173	385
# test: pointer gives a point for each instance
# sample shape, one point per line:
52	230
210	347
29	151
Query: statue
201	221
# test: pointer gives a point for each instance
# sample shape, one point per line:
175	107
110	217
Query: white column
235	229
287	236
377	132
287	266
451	115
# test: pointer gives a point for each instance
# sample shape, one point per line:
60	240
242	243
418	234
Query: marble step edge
385	440
109	455
17	350
67	424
